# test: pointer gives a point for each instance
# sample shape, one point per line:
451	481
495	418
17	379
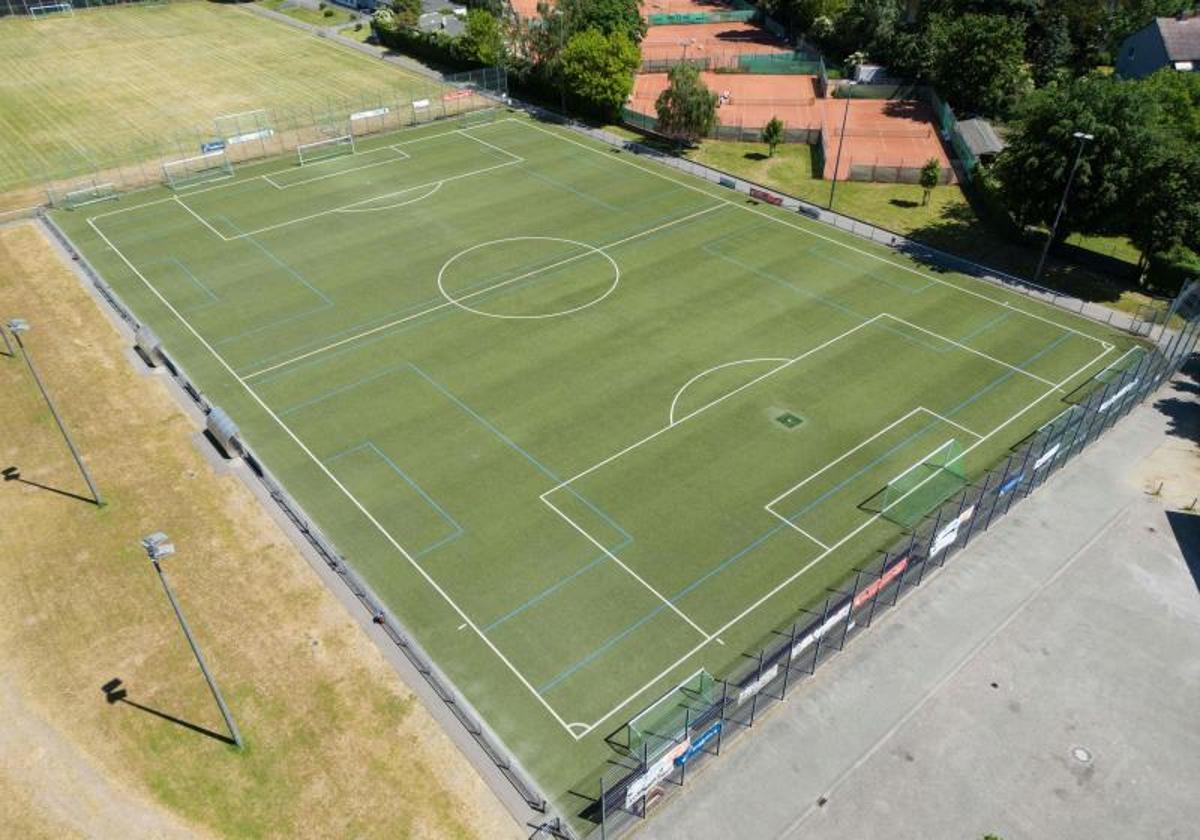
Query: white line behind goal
309	153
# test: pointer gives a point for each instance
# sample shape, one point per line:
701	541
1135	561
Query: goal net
44	10
925	485
330	147
90	194
480	117
188	172
664	721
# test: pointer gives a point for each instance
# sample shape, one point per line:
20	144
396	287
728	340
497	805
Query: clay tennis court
881	136
527	8
752	100
657	7
720	43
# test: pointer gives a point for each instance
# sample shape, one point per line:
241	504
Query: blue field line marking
554	182
554	587
999	319
273	258
815	250
458	529
564	674
213	297
546	471
397	330
765	536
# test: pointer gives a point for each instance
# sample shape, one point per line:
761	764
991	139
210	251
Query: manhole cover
1081	755
788	420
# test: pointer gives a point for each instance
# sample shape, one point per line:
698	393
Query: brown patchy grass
337	746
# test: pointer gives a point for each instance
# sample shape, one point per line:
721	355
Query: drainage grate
789	420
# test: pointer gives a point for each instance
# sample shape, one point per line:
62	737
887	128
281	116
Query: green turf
531	387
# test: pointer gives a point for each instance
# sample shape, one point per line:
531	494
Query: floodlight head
157	546
1079	135
18	325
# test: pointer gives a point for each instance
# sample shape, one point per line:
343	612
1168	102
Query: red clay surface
721	42
752	102
658	7
881	121
527	8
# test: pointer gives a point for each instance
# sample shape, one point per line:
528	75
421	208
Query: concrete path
1046	684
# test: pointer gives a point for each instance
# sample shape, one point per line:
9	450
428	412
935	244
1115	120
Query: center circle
584	254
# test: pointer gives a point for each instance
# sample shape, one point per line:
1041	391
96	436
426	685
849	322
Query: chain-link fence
271	132
40	8
792	653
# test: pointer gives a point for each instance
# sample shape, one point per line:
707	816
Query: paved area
1046	684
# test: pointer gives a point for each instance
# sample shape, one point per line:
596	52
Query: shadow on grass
114	693
14	474
755	156
903	202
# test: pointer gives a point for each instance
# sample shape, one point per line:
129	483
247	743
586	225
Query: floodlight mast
17	326
159	547
1062	205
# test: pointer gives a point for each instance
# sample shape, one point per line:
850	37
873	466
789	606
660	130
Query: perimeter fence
645	770
739	11
154	353
702	724
269	132
732	60
737	131
40	8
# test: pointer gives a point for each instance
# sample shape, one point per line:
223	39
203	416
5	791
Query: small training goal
330	147
188	172
45	10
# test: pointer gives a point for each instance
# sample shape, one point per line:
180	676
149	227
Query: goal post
663	722
90	194
45	10
330	147
200	169
925	485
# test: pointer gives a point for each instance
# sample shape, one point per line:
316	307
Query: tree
406	13
1178	95
482	41
1041	151
687	110
931	176
867	25
772	135
1165	215
1049	46
979	61
607	16
599	68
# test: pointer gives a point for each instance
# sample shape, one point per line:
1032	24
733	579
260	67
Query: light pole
841	140
7	344
18	326
1062	205
158	547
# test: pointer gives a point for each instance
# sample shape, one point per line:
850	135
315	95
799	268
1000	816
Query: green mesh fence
779	64
925	485
664	721
677	18
639	120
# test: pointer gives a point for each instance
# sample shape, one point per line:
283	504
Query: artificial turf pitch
532	387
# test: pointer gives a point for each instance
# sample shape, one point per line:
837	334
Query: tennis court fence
660	59
31	8
273	131
734	131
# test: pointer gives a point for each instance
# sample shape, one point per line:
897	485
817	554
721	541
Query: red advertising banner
887	577
763	195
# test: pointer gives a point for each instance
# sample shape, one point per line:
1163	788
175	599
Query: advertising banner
758	685
698	744
816	635
946	537
1047	457
887	577
366	115
655	773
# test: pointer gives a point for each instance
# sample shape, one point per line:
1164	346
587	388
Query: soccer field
108	86
587	426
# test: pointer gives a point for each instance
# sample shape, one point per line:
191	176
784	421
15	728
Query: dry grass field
337	746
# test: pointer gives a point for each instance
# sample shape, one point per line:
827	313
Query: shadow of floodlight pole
158	547
18	326
8	350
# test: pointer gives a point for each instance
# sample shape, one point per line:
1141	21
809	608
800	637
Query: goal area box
925	485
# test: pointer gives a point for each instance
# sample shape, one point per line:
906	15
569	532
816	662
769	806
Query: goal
188	172
925	485
667	720
90	194
331	147
45	10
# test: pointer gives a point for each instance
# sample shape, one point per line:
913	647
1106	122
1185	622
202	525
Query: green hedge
434	47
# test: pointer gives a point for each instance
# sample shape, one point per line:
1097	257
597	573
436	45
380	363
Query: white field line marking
631	572
713	369
950	422
709	405
797	528
842	457
699	672
920	462
240	182
197	217
395	206
961	346
666	671
352	204
323	468
403	156
1135	349
465	133
349	339
787	223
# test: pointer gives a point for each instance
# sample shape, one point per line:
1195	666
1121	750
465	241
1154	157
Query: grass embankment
329	16
337	746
